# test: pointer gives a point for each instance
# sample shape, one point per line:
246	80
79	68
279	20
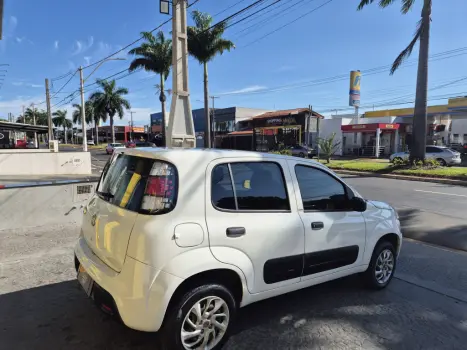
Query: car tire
301	155
379	273
399	159
442	162
183	317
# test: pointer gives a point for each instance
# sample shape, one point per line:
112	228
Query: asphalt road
430	212
425	307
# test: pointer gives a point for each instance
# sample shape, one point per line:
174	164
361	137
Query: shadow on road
415	227
334	316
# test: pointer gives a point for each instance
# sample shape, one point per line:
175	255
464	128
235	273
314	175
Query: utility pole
34	122
131	125
213	122
181	130
83	110
49	112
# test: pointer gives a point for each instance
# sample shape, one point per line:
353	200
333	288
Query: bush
428	163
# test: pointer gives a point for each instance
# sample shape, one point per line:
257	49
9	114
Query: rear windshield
144	185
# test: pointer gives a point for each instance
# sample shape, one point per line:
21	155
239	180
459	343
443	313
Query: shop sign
282	121
359	126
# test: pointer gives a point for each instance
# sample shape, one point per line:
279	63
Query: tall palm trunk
112	128
162	98
207	116
64	134
96	126
419	132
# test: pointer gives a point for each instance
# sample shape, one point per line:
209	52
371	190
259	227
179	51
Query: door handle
317	225
234	232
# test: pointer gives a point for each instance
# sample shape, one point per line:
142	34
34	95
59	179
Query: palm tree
60	120
204	43
422	34
110	102
31	114
88	108
155	55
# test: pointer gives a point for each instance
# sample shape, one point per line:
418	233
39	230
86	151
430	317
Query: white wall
39	163
43	205
242	113
330	126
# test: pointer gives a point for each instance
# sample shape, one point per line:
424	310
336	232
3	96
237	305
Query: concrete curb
402	177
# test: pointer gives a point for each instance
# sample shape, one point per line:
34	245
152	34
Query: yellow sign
354	91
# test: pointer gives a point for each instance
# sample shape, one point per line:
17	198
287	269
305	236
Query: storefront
123	134
377	140
281	129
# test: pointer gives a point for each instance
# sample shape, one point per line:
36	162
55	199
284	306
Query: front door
253	223
335	235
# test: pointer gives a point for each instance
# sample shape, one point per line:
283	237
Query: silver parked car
303	151
444	155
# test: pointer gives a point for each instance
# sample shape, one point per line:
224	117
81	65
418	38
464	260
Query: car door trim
325	260
283	269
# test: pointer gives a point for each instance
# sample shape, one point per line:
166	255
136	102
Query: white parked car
176	240
111	147
444	155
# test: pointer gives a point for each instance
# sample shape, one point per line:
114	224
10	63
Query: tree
155	55
204	43
328	147
60	120
110	101
422	34
31	115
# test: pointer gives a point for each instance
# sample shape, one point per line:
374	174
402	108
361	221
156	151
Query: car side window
433	150
257	186
320	191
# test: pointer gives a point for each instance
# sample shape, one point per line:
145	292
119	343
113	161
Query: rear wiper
107	195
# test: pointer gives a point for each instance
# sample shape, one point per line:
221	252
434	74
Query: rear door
253	224
112	211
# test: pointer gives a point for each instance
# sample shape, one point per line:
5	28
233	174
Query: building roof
23	127
287	112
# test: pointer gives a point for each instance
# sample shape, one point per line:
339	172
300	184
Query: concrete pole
34	122
181	130
378	141
83	111
49	112
213	121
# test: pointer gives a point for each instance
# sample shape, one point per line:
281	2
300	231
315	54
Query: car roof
180	155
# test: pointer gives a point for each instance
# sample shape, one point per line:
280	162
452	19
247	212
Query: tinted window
258	186
222	195
319	190
124	181
433	150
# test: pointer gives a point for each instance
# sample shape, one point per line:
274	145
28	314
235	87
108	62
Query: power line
288	23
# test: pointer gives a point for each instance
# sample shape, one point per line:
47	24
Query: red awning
369	127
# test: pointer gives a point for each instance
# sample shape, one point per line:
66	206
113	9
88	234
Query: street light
164	7
83	109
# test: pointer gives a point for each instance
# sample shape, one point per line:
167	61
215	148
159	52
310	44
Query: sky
284	58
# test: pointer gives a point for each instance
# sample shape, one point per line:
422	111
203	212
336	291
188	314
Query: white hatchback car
177	240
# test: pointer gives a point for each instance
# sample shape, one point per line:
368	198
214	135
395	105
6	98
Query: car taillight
161	189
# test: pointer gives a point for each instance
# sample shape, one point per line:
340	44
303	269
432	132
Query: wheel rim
205	324
384	266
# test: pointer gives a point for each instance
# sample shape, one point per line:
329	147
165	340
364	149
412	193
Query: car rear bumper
139	294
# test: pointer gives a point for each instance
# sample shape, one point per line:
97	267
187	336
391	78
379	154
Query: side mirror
358	204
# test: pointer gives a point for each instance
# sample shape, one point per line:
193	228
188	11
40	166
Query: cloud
71	65
82	47
285	68
87	60
247	89
19	40
56	44
13	23
15	105
23	83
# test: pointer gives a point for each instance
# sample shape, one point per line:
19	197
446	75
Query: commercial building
380	133
274	130
123	134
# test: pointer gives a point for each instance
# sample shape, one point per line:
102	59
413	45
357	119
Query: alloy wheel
384	267
205	324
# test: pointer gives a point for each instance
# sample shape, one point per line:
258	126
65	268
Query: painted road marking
446	194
